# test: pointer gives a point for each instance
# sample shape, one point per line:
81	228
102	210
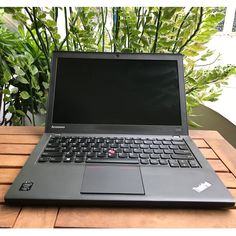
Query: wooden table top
16	143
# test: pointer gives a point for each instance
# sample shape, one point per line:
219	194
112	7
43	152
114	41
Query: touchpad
112	180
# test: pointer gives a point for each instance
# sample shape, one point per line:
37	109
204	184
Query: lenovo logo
58	127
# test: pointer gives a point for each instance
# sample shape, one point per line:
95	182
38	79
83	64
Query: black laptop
117	135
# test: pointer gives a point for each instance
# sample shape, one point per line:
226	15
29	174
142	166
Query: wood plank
16	148
208	153
228	179
8	175
8	216
24	139
218	166
144	218
13	160
21	130
200	143
205	134
225	152
36	217
3	190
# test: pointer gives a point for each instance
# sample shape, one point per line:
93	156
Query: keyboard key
127	150
154	146
183	147
163	162
178	142
55	159
123	155
168	151
68	159
194	164
158	151
148	151
52	149
173	146
183	163
154	162
80	154
52	154
69	154
144	156
167	142
163	146
155	156
183	157
133	155
134	145
147	142
43	159
79	159
91	154
173	163
165	156
124	145
144	161
136	150
138	141
101	154
157	142
182	152
143	146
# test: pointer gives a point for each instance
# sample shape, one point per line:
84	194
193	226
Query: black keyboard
168	152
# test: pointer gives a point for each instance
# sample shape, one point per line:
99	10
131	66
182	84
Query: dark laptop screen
117	91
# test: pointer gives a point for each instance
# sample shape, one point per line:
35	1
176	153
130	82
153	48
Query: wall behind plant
25	54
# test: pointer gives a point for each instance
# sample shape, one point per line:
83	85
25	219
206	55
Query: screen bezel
116	129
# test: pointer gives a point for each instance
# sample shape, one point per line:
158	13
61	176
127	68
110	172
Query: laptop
117	135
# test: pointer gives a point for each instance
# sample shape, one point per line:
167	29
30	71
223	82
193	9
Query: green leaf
24	95
11	109
20	112
6	91
23	80
18	71
45	85
6	77
15	90
34	70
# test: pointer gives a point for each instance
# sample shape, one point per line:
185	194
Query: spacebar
117	161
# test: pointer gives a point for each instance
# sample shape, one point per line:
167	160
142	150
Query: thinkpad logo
202	187
57	127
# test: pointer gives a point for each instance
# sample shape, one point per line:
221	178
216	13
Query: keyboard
168	152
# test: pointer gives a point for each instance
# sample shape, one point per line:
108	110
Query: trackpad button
112	180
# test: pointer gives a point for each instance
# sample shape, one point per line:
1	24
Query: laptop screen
117	91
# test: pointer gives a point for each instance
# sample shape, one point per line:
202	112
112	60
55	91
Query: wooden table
16	143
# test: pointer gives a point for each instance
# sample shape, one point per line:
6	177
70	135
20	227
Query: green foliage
25	55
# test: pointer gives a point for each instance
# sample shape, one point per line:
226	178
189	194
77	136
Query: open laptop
117	135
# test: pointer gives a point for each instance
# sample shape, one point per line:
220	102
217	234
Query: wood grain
8	175
36	217
228	179
205	134
8	216
226	153
36	130
13	160
200	143
17	139
3	190
144	218
16	148
208	153
218	166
